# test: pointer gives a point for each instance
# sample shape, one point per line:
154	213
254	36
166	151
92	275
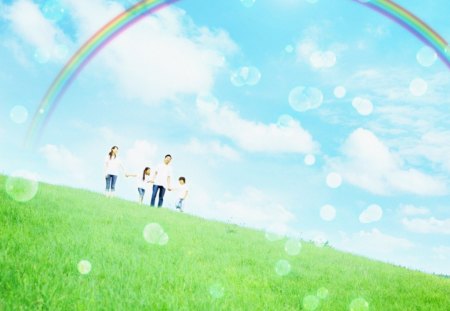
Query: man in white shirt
161	180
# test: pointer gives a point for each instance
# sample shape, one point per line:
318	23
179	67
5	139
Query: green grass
42	241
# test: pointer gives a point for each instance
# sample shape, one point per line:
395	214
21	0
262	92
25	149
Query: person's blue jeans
180	204
111	182
141	192
162	191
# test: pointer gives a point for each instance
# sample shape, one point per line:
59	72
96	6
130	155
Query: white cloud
427	225
373	243
32	27
212	148
17	51
434	145
140	155
252	208
160	57
442	252
372	213
64	161
392	84
369	164
411	210
256	136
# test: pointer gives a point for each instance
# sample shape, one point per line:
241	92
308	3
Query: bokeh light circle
418	87
334	180
282	267
327	212
362	105
426	56
310	302
293	247
285	120
339	92
245	76
359	304
84	267
248	3
154	234
163	239
309	159
302	98
22	186
216	290
289	48
322	293
19	114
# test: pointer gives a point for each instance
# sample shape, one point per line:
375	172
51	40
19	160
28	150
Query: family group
160	178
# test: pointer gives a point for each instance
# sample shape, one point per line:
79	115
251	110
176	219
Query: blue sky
269	150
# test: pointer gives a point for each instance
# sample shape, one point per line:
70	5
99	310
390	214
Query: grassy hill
197	265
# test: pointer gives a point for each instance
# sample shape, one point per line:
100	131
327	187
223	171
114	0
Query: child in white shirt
182	193
142	182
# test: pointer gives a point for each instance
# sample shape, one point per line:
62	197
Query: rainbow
82	57
141	9
413	24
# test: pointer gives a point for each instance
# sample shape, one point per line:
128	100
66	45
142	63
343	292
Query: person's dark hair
143	173
167	155
111	152
182	178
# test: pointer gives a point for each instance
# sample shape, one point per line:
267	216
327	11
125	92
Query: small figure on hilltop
111	170
142	182
182	193
161	180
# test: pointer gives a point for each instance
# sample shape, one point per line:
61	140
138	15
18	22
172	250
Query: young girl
111	170
142	182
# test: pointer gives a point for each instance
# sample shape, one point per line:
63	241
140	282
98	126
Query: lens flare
359	304
309	159
84	267
154	234
282	267
216	290
426	56
22	186
334	180
311	302
19	114
327	212
293	247
303	98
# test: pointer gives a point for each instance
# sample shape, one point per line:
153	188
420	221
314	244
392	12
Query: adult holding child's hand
161	180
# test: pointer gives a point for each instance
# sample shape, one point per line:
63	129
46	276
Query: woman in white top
112	167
